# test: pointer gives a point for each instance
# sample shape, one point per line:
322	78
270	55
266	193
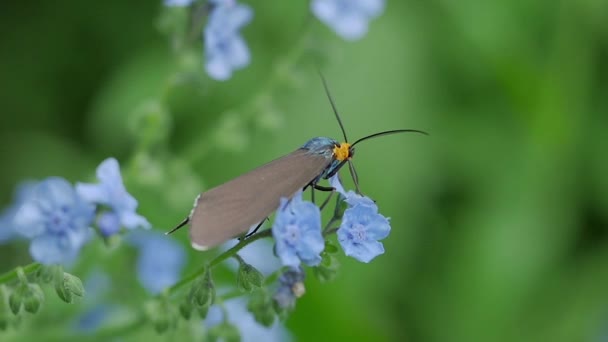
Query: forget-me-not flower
178	3
57	221
7	224
362	226
348	18
258	254
111	192
160	260
225	49
243	320
291	287
297	232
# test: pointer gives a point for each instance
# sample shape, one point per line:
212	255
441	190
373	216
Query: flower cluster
298	235
58	217
226	50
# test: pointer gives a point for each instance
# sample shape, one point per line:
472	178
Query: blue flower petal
51	249
249	329
362	252
160	260
131	220
54	194
57	220
108	223
93	193
225	49
362	226
111	192
297	232
177	3
348	18
29	219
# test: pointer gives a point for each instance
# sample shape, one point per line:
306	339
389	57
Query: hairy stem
218	259
12	275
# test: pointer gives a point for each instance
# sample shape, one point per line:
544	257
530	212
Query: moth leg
327	200
255	230
323	188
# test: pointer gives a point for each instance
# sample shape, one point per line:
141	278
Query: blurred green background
499	218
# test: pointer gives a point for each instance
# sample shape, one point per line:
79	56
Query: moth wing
232	208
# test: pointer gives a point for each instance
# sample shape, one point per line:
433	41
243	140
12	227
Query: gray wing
232	208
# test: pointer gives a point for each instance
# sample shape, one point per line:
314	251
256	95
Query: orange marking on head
342	152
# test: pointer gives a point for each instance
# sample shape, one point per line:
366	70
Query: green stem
218	259
13	274
198	149
227	254
267	281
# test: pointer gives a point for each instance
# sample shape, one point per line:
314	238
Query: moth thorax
342	151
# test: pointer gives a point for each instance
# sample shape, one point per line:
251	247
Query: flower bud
328	268
248	277
261	306
67	285
202	292
225	332
161	314
33	298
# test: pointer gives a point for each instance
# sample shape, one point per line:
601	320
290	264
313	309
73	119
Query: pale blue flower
243	320
297	232
96	287
178	3
291	287
57	221
160	260
258	254
111	192
348	18
225	49
7	224
362	226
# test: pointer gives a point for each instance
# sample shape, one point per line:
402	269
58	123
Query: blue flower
258	254
178	3
291	287
160	260
348	18
57	220
243	320
362	226
111	192
225	49
7	224
297	232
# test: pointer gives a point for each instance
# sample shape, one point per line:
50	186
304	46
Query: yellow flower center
342	152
